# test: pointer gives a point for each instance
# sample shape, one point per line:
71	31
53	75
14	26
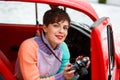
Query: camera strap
50	49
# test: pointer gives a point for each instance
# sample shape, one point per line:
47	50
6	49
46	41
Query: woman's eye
56	26
66	28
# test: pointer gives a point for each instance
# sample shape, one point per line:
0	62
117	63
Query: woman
47	57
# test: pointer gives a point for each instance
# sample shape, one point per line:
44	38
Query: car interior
12	35
78	44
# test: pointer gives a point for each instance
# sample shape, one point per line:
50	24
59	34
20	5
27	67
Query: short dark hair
55	15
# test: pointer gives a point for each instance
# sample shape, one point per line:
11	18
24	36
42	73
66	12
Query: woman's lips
59	37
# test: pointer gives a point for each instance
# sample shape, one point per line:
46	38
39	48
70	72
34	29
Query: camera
80	67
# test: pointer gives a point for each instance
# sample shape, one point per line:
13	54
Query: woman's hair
55	15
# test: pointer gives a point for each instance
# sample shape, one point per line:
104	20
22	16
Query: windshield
79	17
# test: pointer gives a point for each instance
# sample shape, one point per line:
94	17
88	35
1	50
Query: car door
103	63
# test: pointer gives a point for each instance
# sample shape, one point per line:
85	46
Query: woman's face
56	32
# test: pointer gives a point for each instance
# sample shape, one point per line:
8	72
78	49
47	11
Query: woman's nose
61	30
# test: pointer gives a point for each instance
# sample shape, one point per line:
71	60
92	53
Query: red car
95	40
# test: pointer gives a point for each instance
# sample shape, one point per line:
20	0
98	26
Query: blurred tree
102	1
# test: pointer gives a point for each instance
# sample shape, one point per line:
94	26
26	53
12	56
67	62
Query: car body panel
100	54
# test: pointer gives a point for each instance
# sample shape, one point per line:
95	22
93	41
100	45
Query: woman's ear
44	28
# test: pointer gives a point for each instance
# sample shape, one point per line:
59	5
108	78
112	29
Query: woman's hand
80	57
68	72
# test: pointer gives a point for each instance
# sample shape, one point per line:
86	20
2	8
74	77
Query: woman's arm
28	61
65	56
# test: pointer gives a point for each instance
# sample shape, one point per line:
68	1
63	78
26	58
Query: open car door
103	63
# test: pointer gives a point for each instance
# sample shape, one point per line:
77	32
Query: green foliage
102	1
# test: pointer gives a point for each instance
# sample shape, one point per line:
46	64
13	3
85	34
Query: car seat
6	70
5	73
6	61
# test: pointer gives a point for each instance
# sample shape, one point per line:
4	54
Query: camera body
80	67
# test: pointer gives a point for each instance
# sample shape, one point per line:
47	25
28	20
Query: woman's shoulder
63	45
29	42
65	49
28	46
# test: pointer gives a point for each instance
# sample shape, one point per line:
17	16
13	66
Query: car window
16	12
25	13
79	17
21	12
